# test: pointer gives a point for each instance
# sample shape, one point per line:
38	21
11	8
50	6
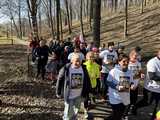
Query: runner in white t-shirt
109	57
120	81
152	82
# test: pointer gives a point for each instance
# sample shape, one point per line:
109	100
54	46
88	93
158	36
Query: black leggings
134	96
41	68
118	111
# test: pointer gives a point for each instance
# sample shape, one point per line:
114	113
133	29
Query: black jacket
42	52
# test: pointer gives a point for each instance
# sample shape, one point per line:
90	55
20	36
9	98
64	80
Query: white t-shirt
76	82
122	79
153	66
107	56
135	67
80	54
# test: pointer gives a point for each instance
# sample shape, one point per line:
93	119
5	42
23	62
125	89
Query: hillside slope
143	29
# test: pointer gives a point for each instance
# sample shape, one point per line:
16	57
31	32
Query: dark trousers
134	96
41	68
149	98
33	55
133	101
87	100
118	111
144	101
104	86
156	98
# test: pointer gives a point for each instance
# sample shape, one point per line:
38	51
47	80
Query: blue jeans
71	108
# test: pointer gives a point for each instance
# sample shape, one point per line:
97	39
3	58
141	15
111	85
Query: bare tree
91	14
9	9
58	18
81	17
33	5
142	6
29	20
126	19
40	18
61	24
70	12
68	17
96	21
51	20
19	14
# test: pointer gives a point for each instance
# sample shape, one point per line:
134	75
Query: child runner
74	79
120	81
109	57
136	69
76	50
94	73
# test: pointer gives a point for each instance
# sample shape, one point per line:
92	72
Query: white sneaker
85	114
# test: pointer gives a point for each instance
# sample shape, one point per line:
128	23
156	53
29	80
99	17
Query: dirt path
26	99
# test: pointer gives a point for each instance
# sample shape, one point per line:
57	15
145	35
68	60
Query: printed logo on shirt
76	80
110	57
124	81
134	69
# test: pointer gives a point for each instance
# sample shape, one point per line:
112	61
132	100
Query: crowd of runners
84	74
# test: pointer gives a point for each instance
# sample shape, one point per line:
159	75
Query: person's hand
142	76
122	89
133	87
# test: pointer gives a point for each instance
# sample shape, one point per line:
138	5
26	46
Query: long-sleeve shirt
115	78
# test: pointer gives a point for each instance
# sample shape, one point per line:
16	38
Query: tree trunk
20	23
54	19
16	28
61	25
126	19
51	20
71	16
24	28
91	14
68	18
29	20
57	16
87	10
32	5
145	2
96	21
142	6
81	17
40	21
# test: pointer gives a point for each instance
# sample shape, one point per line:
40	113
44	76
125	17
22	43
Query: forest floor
26	99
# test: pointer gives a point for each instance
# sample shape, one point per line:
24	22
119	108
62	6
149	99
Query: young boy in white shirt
120	81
